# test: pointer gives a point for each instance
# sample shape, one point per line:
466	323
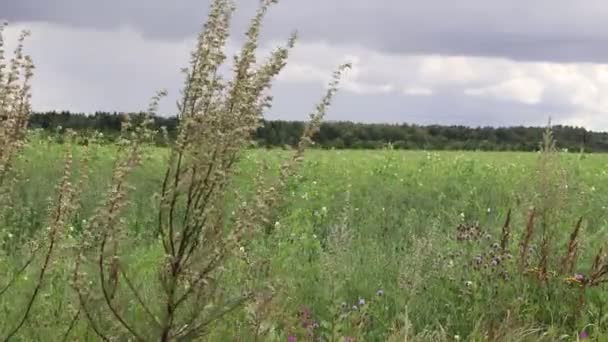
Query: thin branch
67	333
19	272
106	294
138	297
196	331
89	317
34	295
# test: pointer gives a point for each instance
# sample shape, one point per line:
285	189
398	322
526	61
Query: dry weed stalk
599	269
15	107
195	231
61	209
15	96
506	234
100	243
15	77
526	239
572	249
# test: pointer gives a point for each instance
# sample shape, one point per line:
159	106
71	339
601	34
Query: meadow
366	247
213	239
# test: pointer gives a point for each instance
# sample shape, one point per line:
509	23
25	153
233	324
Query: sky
466	62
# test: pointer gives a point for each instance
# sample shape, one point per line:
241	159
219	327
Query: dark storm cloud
558	30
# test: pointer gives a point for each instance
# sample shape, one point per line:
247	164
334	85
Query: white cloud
418	91
571	89
88	70
526	90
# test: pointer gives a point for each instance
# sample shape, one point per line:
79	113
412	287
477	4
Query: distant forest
349	135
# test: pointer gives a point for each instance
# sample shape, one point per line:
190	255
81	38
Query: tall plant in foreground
23	255
14	110
197	233
14	104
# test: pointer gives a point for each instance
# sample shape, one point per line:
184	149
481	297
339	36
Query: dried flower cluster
14	101
15	77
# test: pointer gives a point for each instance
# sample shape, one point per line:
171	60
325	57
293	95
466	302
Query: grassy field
213	241
366	247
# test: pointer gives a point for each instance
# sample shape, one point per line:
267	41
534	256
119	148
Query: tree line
350	135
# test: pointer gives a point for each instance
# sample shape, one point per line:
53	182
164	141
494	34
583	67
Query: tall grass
353	225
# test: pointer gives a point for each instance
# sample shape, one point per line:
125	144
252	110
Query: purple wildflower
583	335
292	338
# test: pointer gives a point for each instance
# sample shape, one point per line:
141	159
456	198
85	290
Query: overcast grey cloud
467	62
547	30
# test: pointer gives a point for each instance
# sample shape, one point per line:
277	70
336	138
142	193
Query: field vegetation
211	239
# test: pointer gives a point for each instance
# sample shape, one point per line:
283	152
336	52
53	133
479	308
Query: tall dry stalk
572	249
551	194
15	77
526	240
196	232
35	255
44	245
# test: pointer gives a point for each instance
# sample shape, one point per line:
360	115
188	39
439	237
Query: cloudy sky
472	62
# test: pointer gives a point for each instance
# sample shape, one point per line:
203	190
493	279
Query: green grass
355	223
